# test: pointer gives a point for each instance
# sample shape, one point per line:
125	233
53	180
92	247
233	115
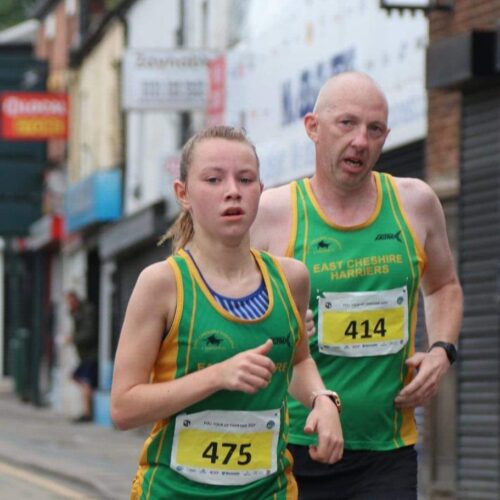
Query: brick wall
55	49
443	138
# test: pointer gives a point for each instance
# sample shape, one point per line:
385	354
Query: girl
209	342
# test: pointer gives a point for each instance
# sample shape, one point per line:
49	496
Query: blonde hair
182	230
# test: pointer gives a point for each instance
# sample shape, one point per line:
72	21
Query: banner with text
33	116
291	47
169	80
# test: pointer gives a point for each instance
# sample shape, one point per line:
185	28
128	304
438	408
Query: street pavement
103	460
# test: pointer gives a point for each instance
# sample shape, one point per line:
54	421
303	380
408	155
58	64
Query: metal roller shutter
478	465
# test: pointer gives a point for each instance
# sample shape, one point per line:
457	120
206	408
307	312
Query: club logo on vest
214	340
325	245
389	236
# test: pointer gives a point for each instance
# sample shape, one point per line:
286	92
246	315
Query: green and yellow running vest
231	444
364	293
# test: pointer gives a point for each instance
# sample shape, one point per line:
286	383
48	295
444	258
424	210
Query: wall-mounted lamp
417	5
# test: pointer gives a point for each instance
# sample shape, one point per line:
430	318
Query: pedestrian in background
210	340
369	241
85	340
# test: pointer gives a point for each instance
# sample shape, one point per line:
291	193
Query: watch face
452	353
336	400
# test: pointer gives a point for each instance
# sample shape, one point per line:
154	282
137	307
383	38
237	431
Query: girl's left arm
323	419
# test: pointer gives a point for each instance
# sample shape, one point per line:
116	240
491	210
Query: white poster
170	80
290	47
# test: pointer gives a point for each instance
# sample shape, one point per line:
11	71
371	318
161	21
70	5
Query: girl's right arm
134	400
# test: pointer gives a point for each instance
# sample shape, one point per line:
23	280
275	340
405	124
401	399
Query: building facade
259	64
462	164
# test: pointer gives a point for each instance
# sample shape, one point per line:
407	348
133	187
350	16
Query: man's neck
346	207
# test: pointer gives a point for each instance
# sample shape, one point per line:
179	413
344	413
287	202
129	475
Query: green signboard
21	163
20	196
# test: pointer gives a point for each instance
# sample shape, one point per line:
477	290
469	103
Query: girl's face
222	190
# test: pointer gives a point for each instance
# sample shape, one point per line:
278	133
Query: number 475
211	452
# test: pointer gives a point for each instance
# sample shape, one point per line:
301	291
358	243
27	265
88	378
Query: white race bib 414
356	324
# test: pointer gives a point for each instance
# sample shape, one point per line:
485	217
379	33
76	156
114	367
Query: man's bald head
348	127
351	82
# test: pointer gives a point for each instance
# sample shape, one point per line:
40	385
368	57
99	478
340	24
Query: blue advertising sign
98	198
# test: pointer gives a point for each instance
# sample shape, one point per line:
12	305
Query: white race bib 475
226	447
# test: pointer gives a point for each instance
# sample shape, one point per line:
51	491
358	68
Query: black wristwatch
450	349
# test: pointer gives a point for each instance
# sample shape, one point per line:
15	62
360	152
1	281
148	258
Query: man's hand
431	368
309	324
325	422
248	371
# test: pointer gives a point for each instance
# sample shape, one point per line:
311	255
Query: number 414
364	330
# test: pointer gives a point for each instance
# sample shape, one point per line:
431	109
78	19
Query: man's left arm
443	303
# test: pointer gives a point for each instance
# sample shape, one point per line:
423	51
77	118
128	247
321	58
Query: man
86	342
369	241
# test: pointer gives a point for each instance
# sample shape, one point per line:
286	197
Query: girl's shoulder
157	273
157	282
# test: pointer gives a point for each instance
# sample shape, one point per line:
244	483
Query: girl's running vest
231	444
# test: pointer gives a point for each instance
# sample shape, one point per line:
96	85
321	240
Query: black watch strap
450	349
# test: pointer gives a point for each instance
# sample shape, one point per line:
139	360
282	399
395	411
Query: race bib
226	447
356	324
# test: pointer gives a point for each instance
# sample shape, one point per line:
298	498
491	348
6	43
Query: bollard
21	360
12	362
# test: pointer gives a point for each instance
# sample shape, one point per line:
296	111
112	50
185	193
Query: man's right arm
443	300
272	226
